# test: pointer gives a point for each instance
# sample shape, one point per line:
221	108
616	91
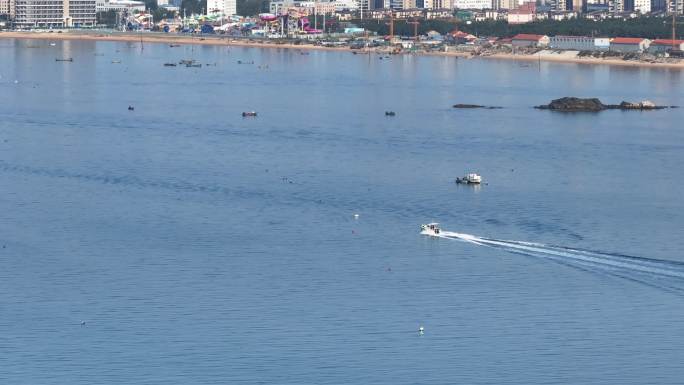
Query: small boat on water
390	113
194	65
131	108
249	114
116	61
471	178
431	229
68	59
169	64
174	45
186	61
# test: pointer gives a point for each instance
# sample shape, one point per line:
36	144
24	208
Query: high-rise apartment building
54	13
643	6
221	7
7	8
676	6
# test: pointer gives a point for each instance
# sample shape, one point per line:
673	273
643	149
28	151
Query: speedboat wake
653	272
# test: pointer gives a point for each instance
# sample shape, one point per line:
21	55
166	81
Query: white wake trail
581	257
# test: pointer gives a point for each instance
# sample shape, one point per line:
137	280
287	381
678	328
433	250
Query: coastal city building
579	43
473	4
281	6
629	44
79	13
54	13
442	4
39	14
615	6
523	14
557	5
664	45
642	6
7	8
529	40
119	5
676	6
222	8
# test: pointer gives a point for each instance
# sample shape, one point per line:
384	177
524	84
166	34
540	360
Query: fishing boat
470	178
68	59
169	64
431	229
249	114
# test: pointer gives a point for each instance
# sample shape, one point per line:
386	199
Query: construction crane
415	24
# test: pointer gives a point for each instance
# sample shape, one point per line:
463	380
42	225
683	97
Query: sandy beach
163	38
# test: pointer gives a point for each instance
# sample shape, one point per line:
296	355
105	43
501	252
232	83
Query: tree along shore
646	27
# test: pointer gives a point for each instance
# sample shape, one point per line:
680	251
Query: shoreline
155	38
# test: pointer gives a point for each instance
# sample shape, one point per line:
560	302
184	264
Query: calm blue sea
180	243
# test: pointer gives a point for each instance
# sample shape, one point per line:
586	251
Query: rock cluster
571	104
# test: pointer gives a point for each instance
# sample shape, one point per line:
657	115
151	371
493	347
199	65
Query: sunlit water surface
200	247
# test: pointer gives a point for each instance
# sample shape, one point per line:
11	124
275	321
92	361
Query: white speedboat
431	229
471	178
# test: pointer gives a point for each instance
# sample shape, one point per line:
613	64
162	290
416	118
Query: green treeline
647	27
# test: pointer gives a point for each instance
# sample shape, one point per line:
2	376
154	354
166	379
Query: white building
578	43
54	13
7	8
557	5
629	44
120	5
615	6
643	6
221	7
79	13
346	4
473	4
505	4
279	6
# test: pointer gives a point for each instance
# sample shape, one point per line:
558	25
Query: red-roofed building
664	45
462	37
629	44
529	40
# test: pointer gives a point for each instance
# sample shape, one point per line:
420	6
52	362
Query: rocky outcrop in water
475	106
571	104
